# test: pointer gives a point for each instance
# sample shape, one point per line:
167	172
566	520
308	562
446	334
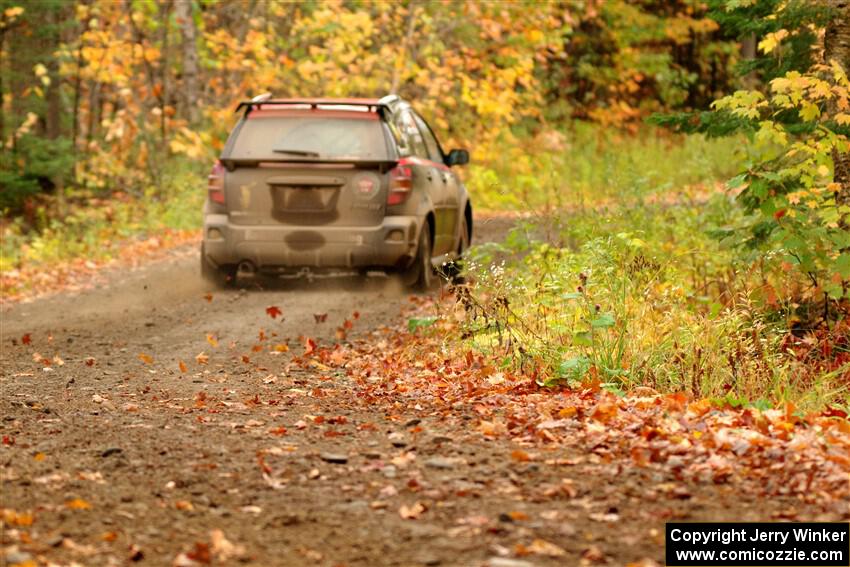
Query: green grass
636	291
586	165
96	226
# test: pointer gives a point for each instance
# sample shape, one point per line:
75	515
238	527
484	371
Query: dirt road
112	454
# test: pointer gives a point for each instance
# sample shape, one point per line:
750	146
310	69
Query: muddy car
315	186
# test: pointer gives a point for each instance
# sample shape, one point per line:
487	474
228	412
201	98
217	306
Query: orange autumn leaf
146	358
520	456
78	504
13	518
605	411
182	366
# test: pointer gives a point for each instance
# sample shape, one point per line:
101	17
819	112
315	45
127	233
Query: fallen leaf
543	547
412	512
594	554
78	504
200	553
22	519
520	456
605	411
212	340
90	361
202	358
310	554
182	366
496	379
208	297
274	312
309	346
320	317
146	358
222	548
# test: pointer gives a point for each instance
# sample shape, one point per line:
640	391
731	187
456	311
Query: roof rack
262	100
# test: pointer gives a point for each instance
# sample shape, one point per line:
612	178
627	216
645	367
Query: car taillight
215	185
401	184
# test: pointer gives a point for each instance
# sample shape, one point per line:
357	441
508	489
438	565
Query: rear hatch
308	167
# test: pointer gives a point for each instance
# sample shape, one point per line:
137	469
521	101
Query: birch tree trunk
183	9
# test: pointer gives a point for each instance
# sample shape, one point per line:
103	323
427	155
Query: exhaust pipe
246	270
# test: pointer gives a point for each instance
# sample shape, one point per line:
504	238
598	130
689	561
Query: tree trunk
165	61
183	9
748	53
405	46
836	48
53	126
78	94
2	88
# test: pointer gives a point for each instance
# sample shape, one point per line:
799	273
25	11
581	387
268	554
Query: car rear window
336	138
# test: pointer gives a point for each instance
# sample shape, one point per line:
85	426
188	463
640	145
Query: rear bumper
387	245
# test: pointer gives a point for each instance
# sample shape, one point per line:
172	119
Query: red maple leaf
274	311
309	346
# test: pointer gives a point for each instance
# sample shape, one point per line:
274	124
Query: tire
453	271
420	275
219	277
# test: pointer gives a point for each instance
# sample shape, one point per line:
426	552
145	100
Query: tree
837	48
186	21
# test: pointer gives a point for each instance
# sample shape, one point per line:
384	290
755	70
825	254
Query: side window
399	137
430	140
411	137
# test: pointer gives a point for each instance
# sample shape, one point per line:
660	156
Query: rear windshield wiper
305	153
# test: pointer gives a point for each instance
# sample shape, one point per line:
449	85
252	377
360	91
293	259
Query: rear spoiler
250	105
381	164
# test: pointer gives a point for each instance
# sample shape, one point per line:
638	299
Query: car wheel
219	277
452	271
420	274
